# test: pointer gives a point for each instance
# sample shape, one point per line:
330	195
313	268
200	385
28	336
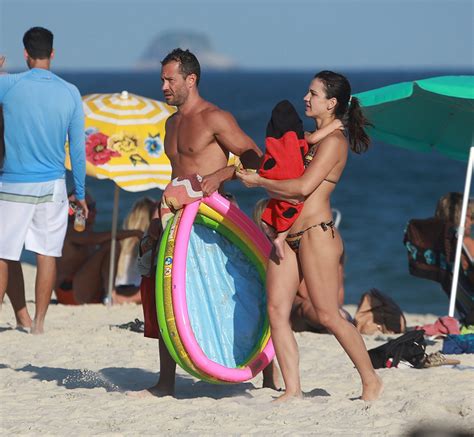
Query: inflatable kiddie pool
211	301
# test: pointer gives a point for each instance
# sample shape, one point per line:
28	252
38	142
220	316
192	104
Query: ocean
377	194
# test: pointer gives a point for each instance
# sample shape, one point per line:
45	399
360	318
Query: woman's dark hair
188	63
38	42
347	109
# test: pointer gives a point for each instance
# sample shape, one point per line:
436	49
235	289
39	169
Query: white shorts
34	215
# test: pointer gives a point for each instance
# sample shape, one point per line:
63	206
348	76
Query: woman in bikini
314	246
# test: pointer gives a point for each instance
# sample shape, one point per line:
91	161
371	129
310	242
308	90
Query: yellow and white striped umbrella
124	140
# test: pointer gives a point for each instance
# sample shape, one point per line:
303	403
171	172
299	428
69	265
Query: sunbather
83	269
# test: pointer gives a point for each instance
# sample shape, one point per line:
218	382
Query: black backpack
408	347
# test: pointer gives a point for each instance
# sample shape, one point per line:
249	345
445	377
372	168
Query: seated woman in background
83	269
128	278
449	209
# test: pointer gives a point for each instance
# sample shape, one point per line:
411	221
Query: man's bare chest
187	138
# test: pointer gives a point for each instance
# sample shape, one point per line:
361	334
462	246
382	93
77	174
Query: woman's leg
319	258
283	280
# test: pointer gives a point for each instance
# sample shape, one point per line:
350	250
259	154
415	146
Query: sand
72	379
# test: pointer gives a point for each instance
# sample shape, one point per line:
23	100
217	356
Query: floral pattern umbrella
124	140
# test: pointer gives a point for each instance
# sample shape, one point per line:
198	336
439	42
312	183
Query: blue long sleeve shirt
40	112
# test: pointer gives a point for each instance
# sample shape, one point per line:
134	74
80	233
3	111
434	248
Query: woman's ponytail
356	123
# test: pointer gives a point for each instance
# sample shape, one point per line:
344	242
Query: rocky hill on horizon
198	43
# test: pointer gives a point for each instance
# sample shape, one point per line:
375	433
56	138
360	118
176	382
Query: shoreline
73	378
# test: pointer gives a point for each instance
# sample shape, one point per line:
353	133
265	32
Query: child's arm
317	136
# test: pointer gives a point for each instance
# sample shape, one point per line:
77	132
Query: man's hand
82	203
210	184
2	61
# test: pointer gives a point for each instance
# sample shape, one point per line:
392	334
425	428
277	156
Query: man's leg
16	294
166	380
45	278
271	376
3	279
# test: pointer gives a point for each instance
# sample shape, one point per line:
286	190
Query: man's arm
232	138
229	135
77	148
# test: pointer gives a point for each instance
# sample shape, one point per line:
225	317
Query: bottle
79	220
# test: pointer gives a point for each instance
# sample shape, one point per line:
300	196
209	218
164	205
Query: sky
256	34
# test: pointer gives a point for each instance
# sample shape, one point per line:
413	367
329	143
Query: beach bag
378	312
409	347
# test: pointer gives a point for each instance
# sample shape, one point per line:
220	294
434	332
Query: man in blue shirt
40	112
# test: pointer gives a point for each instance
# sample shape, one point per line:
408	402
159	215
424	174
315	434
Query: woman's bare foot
158	390
37	328
287	396
372	391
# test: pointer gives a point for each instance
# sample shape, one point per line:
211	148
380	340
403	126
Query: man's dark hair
38	42
188	63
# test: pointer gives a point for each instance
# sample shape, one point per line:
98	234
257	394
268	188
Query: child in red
286	145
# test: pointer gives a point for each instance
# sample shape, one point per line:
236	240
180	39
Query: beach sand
72	379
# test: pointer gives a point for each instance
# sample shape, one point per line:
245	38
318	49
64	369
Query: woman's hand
250	179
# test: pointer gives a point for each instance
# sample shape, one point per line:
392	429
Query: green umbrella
435	113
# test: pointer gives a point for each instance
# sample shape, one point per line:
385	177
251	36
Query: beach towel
443	326
179	192
458	344
285	148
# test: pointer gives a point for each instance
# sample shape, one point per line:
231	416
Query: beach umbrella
124	143
435	113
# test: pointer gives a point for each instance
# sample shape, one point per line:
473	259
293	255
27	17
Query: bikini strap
327	225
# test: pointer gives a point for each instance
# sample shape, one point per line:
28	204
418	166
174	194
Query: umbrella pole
113	242
457	259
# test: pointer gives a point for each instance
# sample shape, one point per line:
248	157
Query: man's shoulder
7	80
213	114
71	87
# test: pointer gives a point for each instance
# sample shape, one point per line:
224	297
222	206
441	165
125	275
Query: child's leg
279	243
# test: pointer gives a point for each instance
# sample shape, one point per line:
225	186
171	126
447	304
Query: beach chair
431	244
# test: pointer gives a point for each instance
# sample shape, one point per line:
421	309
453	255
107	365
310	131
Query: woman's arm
301	187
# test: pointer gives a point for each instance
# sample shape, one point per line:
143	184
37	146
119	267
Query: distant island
198	43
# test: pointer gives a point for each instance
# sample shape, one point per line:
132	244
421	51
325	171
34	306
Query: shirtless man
199	137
